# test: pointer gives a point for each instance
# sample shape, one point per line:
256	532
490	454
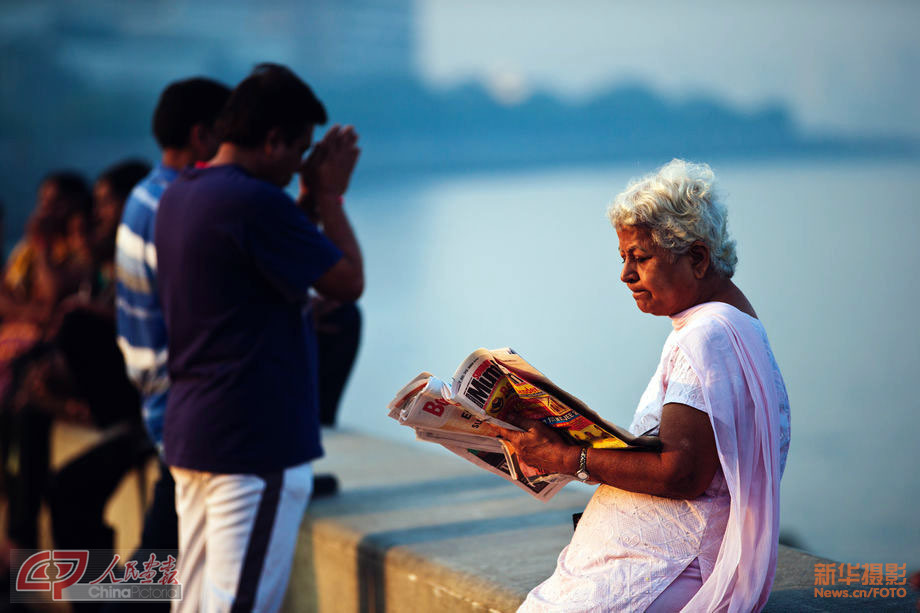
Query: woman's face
51	211
48	200
661	284
107	208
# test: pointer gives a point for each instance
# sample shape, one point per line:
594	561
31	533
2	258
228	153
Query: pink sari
748	446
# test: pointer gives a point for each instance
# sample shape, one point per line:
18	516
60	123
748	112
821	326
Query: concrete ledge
414	530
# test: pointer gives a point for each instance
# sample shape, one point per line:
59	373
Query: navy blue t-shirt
235	260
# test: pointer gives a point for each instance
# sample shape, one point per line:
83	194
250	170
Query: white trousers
237	535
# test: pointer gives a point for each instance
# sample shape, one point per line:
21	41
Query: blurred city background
493	137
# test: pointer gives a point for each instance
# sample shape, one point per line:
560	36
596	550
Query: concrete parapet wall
413	530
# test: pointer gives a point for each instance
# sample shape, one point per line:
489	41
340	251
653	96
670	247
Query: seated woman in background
694	526
68	364
53	261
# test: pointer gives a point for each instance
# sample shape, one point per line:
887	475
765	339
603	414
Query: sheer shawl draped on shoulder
730	355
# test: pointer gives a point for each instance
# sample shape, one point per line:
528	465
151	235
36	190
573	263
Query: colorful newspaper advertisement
501	384
498	386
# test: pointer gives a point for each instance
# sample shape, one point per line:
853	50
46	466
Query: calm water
827	254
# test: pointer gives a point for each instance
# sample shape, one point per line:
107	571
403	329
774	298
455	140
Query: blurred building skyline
449	87
147	43
839	67
846	68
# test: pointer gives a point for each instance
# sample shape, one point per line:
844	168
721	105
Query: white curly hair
679	206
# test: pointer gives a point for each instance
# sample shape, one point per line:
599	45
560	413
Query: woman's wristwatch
582	472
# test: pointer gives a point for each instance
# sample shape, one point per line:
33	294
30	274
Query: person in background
53	260
183	125
76	372
236	261
86	367
338	335
110	192
2	230
51	263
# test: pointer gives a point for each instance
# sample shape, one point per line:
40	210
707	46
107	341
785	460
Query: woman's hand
683	468
538	446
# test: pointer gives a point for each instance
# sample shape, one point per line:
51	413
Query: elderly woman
693	526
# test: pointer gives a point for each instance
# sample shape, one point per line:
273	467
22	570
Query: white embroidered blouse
628	546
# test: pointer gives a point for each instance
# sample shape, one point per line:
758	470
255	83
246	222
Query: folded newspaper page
497	387
502	384
426	405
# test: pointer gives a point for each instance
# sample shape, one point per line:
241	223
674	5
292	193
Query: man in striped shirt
183	125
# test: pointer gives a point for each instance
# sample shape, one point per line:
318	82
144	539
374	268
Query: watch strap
582	473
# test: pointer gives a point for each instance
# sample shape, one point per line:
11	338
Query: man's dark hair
271	97
123	176
183	105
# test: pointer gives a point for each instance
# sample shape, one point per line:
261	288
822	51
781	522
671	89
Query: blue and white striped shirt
141	328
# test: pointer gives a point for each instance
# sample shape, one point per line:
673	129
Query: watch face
582	474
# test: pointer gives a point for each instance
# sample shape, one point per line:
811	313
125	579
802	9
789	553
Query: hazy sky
851	66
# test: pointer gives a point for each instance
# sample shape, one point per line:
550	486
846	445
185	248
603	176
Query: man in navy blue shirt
236	261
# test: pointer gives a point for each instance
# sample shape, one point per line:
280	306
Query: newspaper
496	387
